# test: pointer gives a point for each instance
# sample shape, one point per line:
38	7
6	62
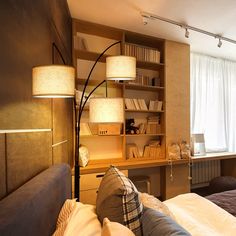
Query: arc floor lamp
58	81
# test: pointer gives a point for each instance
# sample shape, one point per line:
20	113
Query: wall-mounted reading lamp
58	81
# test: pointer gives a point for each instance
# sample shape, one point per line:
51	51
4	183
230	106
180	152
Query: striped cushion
118	200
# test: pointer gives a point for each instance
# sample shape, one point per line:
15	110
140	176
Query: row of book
142	53
155	105
132	151
135	104
152	150
146	80
149	128
140	104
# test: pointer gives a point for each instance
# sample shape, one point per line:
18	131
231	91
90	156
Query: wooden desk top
214	156
128	164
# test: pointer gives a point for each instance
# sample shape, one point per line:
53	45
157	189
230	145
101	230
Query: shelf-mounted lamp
59	81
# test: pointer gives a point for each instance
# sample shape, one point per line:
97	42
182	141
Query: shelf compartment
94	82
143	87
144	111
144	135
150	65
96	135
91	56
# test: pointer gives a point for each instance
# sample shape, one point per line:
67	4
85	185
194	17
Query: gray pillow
156	223
118	200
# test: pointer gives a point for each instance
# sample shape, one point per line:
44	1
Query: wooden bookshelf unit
162	75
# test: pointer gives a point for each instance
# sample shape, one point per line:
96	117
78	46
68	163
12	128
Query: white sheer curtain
213	101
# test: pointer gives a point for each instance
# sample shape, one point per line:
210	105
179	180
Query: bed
33	209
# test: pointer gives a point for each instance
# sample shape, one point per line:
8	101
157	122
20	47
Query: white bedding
200	217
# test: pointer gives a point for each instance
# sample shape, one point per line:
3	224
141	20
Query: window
213	102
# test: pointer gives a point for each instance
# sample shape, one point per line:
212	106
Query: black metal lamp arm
78	115
87	80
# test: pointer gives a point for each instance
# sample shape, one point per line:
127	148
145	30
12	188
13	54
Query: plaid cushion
118	200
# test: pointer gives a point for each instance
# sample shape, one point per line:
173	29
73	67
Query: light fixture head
120	68
219	43
145	20
53	81
106	110
186	33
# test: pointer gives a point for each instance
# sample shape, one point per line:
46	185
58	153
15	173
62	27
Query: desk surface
126	165
136	164
214	156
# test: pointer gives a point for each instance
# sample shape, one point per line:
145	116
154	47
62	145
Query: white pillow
77	218
115	229
154	203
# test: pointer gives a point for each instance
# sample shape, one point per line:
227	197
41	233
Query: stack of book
155	105
153	125
132	151
152	150
142	53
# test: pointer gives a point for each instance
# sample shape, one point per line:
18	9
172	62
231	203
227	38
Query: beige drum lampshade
53	81
121	68
106	110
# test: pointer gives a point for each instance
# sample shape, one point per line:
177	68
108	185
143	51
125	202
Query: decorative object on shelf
130	127
51	77
174	151
83	156
185	150
109	129
198	145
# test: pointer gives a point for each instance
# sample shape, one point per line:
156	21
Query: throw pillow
156	223
76	218
118	200
115	229
154	203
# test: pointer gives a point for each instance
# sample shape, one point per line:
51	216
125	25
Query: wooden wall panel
2	167
27	36
27	155
177	92
61	153
177	115
25	42
63	127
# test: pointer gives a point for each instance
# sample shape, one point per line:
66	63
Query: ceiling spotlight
219	43
186	33
145	20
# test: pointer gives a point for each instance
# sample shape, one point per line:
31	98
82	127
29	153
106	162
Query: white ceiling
216	16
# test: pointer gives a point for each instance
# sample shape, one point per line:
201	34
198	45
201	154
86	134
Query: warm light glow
106	110
53	81
120	68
